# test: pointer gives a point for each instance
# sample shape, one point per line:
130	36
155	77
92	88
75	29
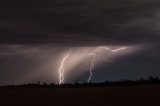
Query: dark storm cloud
79	21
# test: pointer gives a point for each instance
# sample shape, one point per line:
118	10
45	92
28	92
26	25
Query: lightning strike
61	68
92	64
91	67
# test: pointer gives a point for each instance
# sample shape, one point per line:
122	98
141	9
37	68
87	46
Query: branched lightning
91	67
61	68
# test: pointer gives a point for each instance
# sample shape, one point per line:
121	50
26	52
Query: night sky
36	34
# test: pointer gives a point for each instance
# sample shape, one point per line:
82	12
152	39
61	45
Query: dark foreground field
142	95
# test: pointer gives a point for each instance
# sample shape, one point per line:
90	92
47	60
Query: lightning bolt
61	68
114	50
91	67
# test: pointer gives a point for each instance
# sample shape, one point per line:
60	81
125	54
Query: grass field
143	95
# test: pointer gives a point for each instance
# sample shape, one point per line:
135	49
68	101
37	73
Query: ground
142	95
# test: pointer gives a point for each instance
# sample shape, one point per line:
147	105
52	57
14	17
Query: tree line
38	84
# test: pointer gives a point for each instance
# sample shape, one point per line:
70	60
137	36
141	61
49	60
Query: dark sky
34	29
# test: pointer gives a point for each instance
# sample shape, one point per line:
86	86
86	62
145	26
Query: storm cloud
79	21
